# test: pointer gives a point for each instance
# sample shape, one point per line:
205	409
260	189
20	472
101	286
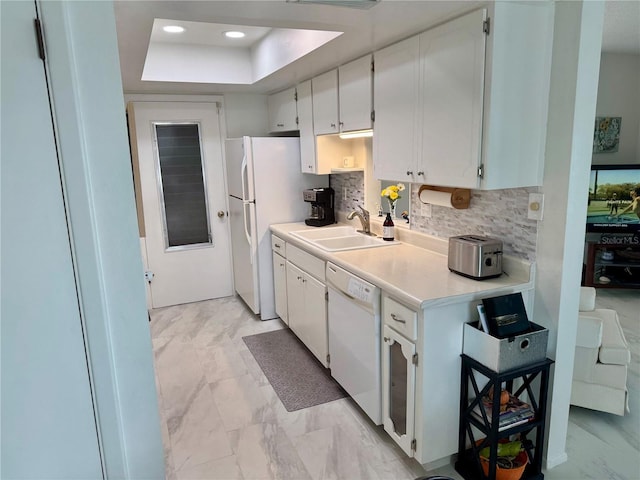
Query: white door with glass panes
184	201
395	86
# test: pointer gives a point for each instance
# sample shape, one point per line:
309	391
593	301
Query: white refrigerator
265	185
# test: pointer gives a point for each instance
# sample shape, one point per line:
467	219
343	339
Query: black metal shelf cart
531	433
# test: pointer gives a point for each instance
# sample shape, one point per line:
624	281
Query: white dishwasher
354	338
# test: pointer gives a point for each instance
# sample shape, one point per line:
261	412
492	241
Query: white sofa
602	357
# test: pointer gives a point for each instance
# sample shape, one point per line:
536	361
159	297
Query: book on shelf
514	412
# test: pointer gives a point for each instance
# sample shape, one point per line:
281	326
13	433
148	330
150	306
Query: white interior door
184	201
48	425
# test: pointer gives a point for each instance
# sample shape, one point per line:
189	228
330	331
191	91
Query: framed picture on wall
606	135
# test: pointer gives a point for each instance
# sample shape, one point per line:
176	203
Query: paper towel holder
460	197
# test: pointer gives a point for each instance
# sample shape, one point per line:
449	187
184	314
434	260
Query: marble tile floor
221	419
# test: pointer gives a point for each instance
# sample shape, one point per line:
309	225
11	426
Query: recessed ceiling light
234	34
173	29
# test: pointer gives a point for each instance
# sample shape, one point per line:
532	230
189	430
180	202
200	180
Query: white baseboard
557	460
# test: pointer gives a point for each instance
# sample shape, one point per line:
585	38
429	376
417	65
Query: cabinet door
282	111
325	103
452	83
517	84
395	94
314	322
280	286
305	123
355	94
398	388
295	298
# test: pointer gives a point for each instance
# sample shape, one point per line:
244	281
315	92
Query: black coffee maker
321	200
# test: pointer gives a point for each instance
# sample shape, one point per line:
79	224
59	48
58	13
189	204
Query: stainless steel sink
335	239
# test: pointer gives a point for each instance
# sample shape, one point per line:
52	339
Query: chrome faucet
364	220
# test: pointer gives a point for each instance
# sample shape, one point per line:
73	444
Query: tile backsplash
354	184
496	213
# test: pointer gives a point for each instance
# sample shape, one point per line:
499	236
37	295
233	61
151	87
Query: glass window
398	389
182	185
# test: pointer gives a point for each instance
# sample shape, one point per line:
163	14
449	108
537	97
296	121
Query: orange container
507	473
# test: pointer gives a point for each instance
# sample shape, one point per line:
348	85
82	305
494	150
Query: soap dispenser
387	228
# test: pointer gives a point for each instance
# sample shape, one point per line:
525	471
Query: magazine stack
513	412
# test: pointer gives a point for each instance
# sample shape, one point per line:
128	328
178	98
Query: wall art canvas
606	136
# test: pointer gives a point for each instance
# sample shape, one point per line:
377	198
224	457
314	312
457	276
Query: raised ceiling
203	53
364	31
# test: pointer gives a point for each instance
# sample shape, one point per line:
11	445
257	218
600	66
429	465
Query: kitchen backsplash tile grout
496	213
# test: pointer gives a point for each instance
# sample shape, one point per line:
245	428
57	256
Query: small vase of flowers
392	193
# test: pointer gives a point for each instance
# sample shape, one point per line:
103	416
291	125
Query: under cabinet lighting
234	34
357	134
173	29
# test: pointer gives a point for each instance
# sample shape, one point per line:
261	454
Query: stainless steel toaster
475	256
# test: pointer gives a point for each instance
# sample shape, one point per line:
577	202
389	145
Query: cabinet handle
409	172
342	124
280	124
399	320
386	339
333	125
420	173
277	245
299	278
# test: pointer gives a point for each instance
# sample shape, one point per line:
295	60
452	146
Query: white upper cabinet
342	98
325	103
305	123
282	111
321	155
480	110
452	81
355	94
516	94
395	90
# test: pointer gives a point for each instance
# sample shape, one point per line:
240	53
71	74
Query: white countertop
415	275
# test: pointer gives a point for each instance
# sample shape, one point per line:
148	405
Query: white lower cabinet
421	376
301	295
307	311
280	286
398	389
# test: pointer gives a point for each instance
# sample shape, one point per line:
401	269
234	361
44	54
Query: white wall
171	62
572	103
283	46
246	114
619	96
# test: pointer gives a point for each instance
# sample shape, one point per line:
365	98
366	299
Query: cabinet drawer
402	319
279	245
307	262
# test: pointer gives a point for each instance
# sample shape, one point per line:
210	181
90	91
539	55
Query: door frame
135	164
97	182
